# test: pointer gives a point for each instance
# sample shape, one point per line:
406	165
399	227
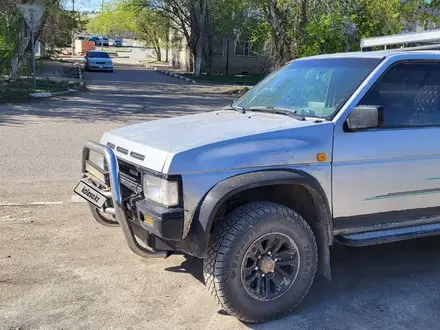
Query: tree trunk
167	46
14	68
199	46
158	54
191	61
227	57
156	46
282	41
209	58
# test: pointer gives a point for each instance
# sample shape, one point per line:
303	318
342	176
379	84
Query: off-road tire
229	241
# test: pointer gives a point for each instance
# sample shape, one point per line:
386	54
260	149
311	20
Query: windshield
312	88
99	55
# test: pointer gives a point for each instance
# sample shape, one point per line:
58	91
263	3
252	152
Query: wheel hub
266	264
270	266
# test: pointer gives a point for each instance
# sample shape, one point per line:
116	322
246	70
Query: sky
83	5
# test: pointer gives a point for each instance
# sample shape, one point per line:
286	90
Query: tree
147	23
54	31
287	22
11	22
107	22
307	27
188	17
232	21
58	26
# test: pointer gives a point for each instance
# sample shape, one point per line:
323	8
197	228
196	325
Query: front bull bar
116	196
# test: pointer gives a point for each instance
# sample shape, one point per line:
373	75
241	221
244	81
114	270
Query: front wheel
261	261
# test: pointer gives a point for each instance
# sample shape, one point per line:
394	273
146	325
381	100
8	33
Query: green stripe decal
433	178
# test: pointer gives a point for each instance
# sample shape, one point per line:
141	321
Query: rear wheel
261	261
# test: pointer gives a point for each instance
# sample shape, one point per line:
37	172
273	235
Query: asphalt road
60	269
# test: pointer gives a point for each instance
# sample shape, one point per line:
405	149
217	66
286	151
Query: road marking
9	219
28	204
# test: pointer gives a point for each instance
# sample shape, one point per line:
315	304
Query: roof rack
404	41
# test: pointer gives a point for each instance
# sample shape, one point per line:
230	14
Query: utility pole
34	74
102	28
73	32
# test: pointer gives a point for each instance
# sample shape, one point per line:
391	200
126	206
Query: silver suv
338	147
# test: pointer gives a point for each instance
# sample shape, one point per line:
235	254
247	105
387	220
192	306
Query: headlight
161	191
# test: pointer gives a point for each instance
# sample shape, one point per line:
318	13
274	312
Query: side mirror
365	117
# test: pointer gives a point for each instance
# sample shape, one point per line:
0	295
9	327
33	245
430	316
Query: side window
409	94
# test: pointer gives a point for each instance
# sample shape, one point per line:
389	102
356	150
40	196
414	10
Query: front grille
125	151
129	172
137	156
100	62
122	150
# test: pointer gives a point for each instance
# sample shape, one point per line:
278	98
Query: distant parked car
117	43
103	42
94	39
97	60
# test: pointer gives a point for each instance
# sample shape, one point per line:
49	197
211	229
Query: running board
389	235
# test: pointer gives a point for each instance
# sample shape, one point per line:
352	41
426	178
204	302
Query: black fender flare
223	190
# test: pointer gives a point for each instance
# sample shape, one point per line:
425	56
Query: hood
208	141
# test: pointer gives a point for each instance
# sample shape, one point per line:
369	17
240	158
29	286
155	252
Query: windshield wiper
234	107
280	111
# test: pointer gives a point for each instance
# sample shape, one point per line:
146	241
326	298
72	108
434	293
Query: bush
10	25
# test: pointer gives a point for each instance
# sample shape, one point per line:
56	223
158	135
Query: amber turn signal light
321	157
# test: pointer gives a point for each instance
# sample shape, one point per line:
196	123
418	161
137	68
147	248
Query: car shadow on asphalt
392	285
109	104
191	265
386	286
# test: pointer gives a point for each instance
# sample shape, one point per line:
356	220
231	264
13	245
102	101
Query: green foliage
108	22
130	15
378	17
325	34
10	26
284	29
58	26
296	28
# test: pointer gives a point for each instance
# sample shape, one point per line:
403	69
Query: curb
80	75
47	94
171	74
70	90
